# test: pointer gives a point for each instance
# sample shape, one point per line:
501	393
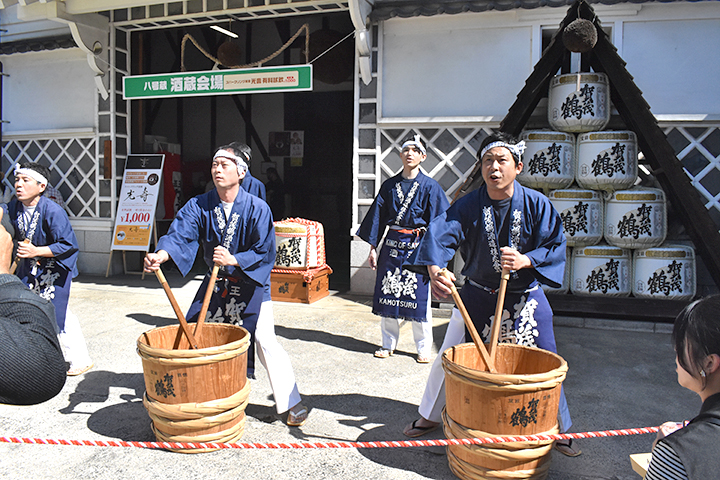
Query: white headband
415	142
516	149
30	173
240	162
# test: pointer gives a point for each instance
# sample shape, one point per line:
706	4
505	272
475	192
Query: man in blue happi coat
236	231
499	225
47	256
405	204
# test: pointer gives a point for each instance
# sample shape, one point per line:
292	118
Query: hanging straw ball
580	36
230	54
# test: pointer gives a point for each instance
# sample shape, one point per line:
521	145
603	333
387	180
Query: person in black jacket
31	360
692	451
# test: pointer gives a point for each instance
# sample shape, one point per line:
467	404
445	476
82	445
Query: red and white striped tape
329	445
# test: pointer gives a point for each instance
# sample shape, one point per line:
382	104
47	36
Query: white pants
73	343
422	333
275	360
433	400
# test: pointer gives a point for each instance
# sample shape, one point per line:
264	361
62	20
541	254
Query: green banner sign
293	78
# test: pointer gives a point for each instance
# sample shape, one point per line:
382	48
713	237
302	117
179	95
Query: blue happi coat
49	226
248	234
407	206
253	186
535	229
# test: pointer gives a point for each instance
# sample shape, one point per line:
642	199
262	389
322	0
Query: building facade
446	70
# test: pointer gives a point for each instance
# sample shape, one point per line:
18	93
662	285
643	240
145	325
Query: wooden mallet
16	260
178	313
206	300
497	320
469	324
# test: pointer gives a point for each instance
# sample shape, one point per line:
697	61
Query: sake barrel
549	160
665	272
579	102
565	287
607	160
601	270
196	395
522	398
636	218
582	213
299	244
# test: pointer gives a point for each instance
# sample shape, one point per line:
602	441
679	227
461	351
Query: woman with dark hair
692	452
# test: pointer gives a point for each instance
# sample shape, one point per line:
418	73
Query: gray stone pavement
621	375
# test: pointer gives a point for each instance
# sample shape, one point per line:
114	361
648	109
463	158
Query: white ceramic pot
601	270
665	272
607	160
581	106
636	218
549	160
582	215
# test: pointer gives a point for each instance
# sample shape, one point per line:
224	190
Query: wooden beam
621	308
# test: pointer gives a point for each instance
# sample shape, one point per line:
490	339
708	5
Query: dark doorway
321	188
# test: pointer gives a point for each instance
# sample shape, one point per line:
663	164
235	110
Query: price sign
137	201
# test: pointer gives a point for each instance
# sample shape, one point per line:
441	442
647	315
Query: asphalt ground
621	375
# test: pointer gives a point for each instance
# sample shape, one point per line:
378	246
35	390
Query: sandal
297	419
383	353
422	359
415	431
567	448
73	372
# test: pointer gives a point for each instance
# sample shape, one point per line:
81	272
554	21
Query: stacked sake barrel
300	273
615	230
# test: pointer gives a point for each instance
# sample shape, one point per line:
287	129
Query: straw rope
463	469
332	445
194	423
305	28
524	385
200	356
307	275
197	410
226	436
455	430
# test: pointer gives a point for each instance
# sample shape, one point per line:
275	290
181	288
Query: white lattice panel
71	160
698	149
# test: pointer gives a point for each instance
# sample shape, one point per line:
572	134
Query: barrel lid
613	135
547	135
584	77
574	194
601	251
666	251
638	194
289	227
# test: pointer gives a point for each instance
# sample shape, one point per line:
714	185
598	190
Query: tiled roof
385	9
37	45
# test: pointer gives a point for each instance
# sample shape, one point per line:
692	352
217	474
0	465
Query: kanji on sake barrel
667	272
549	159
579	102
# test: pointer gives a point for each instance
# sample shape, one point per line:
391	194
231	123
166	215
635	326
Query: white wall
456	65
675	64
48	90
474	65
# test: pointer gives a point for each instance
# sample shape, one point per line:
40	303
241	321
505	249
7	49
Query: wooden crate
291	287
